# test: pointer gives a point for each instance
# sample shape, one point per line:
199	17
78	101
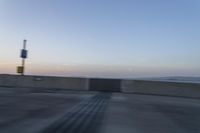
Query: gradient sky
102	38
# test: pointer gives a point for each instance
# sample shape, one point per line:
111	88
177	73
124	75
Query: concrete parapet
161	88
44	82
126	86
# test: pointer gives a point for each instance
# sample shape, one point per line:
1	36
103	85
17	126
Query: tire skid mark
84	118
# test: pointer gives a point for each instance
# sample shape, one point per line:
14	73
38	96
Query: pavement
61	111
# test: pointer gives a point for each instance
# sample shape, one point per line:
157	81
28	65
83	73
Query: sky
101	38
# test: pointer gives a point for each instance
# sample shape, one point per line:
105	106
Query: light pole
21	69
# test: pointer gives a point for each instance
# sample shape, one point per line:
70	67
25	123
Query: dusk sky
101	38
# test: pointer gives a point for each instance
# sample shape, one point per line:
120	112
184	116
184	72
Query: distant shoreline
176	79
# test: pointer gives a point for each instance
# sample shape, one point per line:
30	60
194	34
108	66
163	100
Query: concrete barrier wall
44	82
161	88
8	80
127	86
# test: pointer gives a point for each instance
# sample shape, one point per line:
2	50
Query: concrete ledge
127	86
161	88
44	82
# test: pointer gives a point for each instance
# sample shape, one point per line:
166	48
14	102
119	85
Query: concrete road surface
61	111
